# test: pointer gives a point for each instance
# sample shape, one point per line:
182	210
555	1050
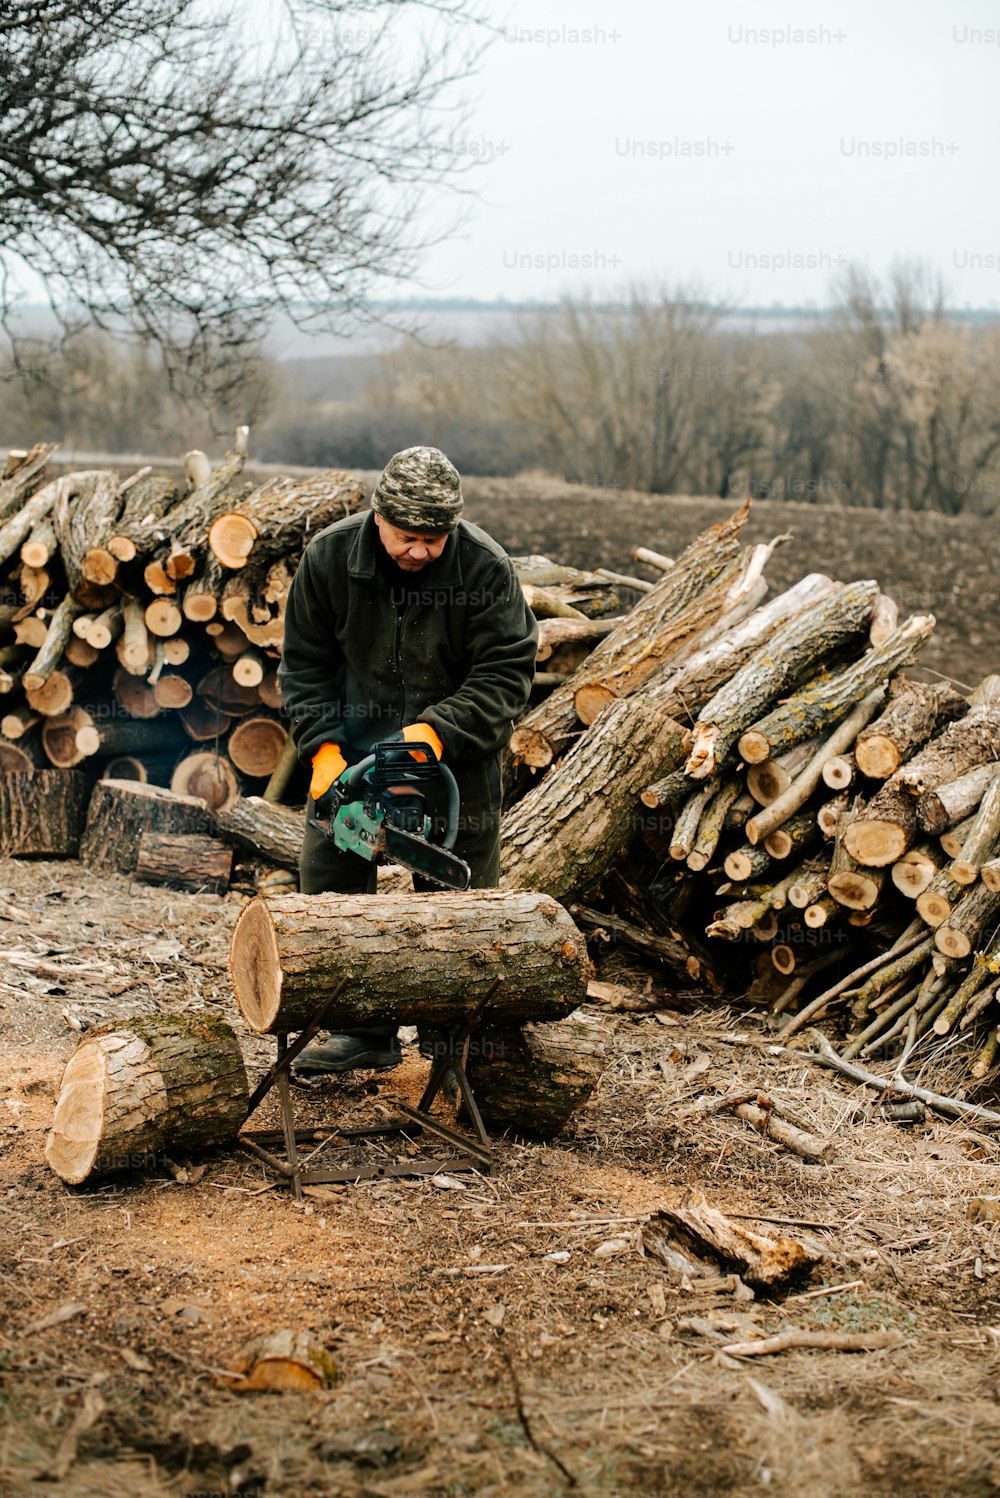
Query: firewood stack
725	776
140	626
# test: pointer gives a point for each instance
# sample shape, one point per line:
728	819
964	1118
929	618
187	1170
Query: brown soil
469	1361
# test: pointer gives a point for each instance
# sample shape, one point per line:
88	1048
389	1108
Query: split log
545	732
949	804
814	707
209	776
972	916
122	810
271	831
255	746
427	959
699	1228
136	1089
579	820
42	813
533	1080
186	861
914	714
781	664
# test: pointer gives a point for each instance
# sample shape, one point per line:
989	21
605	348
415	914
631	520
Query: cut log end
854	889
838	773
531	748
163	617
877	757
74	1140
231	537
255	967
754	747
933	908
591	699
876	843
208	776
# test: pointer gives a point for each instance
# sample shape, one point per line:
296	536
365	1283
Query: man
404	620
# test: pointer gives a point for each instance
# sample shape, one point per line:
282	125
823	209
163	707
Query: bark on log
713	820
533	1080
139	1088
209	776
15	532
49	656
553	632
971	741
914	714
42	813
427	959
949	804
122	810
271	831
132	648
545	732
85	512
795	651
819	704
286	511
579	820
982	838
184	861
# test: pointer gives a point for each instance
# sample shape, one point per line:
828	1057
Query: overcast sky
750	150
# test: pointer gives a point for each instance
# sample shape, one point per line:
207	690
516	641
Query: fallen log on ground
136	1089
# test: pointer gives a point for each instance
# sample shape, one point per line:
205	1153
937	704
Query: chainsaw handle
354	783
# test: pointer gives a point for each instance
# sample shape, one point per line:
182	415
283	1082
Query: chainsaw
379	808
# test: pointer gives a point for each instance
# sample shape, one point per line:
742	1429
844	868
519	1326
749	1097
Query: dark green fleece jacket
362	659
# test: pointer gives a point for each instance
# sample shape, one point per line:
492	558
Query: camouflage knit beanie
419	490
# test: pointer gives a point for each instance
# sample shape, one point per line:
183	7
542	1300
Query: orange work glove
417	733
328	763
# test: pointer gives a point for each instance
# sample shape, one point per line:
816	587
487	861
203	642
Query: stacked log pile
140	626
758	796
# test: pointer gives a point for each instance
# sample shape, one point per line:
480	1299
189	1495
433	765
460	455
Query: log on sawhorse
470	1154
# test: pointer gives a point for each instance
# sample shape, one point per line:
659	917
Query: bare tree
165	169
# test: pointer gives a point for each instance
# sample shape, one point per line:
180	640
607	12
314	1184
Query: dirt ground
491	1335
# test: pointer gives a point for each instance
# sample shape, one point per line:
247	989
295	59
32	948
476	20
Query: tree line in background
888	403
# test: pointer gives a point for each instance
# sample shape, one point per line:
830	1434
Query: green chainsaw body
379	809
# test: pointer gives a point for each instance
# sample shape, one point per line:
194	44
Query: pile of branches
725	776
